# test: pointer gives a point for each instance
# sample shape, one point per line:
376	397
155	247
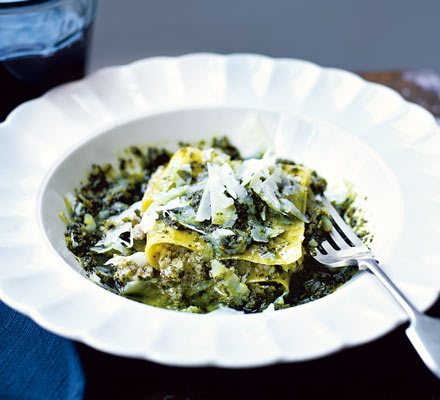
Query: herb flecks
190	281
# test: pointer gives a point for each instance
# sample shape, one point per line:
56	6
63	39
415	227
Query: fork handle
373	266
424	331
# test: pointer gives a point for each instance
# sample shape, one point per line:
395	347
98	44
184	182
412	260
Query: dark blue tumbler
42	44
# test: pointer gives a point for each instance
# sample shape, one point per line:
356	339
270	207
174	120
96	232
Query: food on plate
203	228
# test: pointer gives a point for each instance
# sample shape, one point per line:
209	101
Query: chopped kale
225	145
317	183
108	191
316	281
242	216
261	296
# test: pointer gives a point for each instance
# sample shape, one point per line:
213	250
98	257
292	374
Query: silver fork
344	248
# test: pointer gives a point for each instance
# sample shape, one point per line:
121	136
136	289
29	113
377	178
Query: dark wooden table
387	368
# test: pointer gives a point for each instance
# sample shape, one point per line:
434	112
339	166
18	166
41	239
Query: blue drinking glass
42	44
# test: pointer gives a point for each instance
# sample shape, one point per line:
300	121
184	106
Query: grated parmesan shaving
222	206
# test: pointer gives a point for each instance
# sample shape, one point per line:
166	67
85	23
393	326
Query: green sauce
108	191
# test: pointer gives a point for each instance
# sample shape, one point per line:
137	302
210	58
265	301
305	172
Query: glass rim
10	5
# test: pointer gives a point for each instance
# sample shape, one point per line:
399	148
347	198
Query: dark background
385	369
350	34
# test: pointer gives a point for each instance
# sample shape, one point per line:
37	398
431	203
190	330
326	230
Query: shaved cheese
215	204
228	281
139	258
269	190
186	168
113	240
222	206
184	175
263	178
129	213
258	234
188	213
207	155
231	184
177	202
290	186
172	199
163	197
149	217
114	246
112	235
217	269
181	182
204	210
218	233
289	208
262	233
254	168
185	218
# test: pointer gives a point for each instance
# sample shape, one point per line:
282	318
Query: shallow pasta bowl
331	120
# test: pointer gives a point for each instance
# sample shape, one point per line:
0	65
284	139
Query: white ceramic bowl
329	119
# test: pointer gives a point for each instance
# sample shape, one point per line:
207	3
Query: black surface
388	368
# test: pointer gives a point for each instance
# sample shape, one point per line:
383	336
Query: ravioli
166	178
210	230
284	249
